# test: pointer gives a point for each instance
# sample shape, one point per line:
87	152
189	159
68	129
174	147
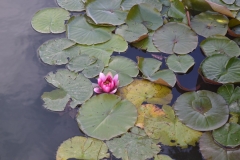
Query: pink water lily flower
107	84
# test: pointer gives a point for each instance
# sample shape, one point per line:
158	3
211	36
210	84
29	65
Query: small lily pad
210	23
58	51
50	20
140	91
128	4
228	135
162	157
135	145
82	148
219	45
106	12
167	128
177	11
180	64
202	110
145	14
72	5
106	116
80	31
213	151
175	38
232	7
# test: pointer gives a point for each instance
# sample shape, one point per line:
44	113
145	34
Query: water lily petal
114	91
106	89
98	90
115	80
102	76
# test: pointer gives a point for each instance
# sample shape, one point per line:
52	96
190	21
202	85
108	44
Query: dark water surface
27	130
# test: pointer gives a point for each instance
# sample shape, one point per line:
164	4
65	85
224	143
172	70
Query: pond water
27	130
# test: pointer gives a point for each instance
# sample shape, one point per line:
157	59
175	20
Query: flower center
106	82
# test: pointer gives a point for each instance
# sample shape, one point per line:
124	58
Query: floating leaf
229	1
177	10
72	5
228	135
76	85
50	20
229	6
146	44
140	91
209	23
197	5
169	130
124	67
132	31
175	38
210	150
135	145
202	110
128	4
106	116
82	32
147	15
58	51
162	157
220	8
237	40
55	100
221	68
106	12
180	64
219	45
82	148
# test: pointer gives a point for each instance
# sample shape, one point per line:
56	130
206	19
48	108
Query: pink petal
116	81
102	76
106	89
97	90
100	81
112	92
109	74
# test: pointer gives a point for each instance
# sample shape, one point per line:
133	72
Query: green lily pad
146	44
228	1
229	6
237	40
50	20
128	4
55	100
180	64
124	67
213	151
90	66
132	31
219	45
106	116
202	110
221	68
58	51
72	5
168	130
149	67
162	157
210	23
232	96
140	91
177	11
145	14
135	145
228	135
237	3
75	85
82	148
175	38
82	32
106	12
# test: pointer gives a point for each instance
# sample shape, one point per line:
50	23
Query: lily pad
82	32
211	150
90	66
209	23
135	145
202	110
50	20
228	135
177	11
180	64
82	148
162	157
106	116
75	85
229	6
169	130
106	12
220	45
58	51
221	68
229	1
237	40
140	91
147	15
132	31
124	67
175	38
128	4
72	5
149	67
55	100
